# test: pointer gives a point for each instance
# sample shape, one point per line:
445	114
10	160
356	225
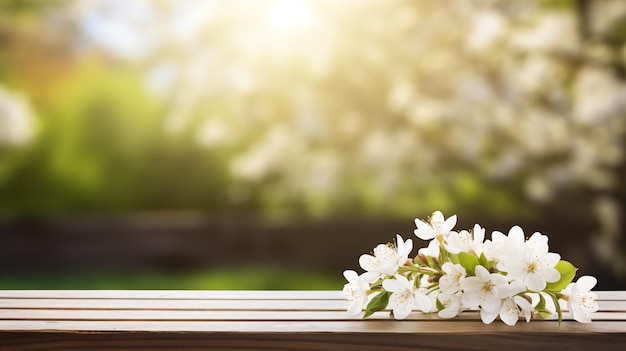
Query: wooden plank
210	294
611	295
510	341
174	304
284	320
363	326
212	304
194	315
175	294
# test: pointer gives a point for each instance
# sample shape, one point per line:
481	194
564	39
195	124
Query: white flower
466	241
431	250
451	303
533	264
580	300
355	291
502	247
450	282
484	289
387	258
405	297
511	304
436	227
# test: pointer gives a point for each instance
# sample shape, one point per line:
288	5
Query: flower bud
422	258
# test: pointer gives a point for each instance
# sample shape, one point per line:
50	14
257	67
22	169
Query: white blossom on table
507	276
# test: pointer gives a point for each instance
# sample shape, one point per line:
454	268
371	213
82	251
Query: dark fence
186	241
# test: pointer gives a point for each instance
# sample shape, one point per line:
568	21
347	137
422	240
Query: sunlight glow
290	15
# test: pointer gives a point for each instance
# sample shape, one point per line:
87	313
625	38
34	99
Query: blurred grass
246	278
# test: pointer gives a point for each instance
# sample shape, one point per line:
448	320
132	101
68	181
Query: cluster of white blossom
507	276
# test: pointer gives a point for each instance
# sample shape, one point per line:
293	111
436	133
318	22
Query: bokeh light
303	114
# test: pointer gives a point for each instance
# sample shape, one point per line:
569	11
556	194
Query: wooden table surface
283	320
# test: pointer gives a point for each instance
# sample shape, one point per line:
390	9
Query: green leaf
440	306
541	308
483	260
557	306
443	255
431	261
378	303
454	258
411	268
468	261
567	271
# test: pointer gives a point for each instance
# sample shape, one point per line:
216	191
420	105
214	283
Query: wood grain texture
308	341
272	320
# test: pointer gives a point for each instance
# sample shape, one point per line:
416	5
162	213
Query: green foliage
541	307
567	271
416	140
468	261
555	298
217	278
102	147
563	5
439	305
378	303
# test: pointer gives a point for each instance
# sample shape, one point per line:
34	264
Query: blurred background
267	144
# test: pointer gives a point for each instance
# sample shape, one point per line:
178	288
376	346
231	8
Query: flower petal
488	316
515	288
498	279
482	273
586	283
393	285
437	217
534	282
448	267
479	233
552	259
470	299
369	262
424	233
509	313
516	235
490	301
351	276
403	247
472	283
402	306
369	277
448	312
355	307
527	307
550	275
423	302
449	224
581	316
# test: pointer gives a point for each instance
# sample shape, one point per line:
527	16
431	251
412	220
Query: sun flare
290	15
